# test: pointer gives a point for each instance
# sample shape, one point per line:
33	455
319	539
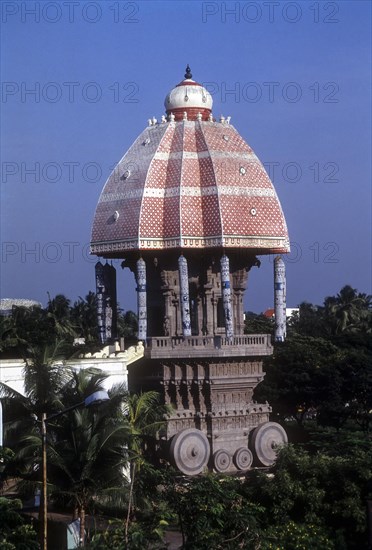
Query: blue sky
80	80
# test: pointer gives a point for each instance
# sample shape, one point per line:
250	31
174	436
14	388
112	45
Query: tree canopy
37	326
318	383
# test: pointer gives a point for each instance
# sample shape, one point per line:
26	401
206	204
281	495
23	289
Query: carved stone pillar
239	281
184	296
100	289
214	302
175	315
141	299
239	313
279	299
200	314
106	301
226	296
208	310
168	315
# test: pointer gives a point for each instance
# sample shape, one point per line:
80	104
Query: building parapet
208	346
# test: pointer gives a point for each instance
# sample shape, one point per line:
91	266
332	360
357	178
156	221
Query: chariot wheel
221	460
266	438
243	458
189	451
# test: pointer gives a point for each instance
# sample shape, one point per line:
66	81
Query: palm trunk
82	526
44	499
130	502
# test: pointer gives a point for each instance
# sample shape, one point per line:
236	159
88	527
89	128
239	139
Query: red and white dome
189	182
189	97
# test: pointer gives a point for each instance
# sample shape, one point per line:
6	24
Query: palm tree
87	448
84	316
58	310
145	417
349	311
8	334
44	377
44	374
28	326
127	324
90	449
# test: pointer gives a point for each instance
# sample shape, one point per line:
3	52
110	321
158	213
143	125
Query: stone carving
198	210
166	326
189	451
185	300
141	299
106	300
208	379
265	439
221	460
243	458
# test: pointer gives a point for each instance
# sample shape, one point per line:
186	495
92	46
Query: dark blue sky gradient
299	82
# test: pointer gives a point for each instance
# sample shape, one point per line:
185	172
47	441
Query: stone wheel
221	460
189	451
266	438
243	458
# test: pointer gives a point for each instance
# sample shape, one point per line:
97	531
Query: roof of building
189	182
189	97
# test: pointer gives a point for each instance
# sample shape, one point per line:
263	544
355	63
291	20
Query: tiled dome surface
189	184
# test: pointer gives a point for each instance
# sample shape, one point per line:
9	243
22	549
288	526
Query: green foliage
293	374
296	536
6	455
345	389
9	339
258	324
44	377
314	377
309	321
320	378
214	513
14	533
89	447
38	327
337	442
145	534
145	416
84	318
25	327
317	489
349	313
127	325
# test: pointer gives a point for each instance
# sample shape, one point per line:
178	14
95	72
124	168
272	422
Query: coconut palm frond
6	392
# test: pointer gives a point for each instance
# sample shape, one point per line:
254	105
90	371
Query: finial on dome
188	72
190	97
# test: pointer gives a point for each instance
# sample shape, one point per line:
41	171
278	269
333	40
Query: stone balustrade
209	346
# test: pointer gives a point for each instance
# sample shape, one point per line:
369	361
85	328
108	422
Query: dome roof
189	184
189	97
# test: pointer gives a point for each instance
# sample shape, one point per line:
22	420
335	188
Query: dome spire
187	99
188	74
